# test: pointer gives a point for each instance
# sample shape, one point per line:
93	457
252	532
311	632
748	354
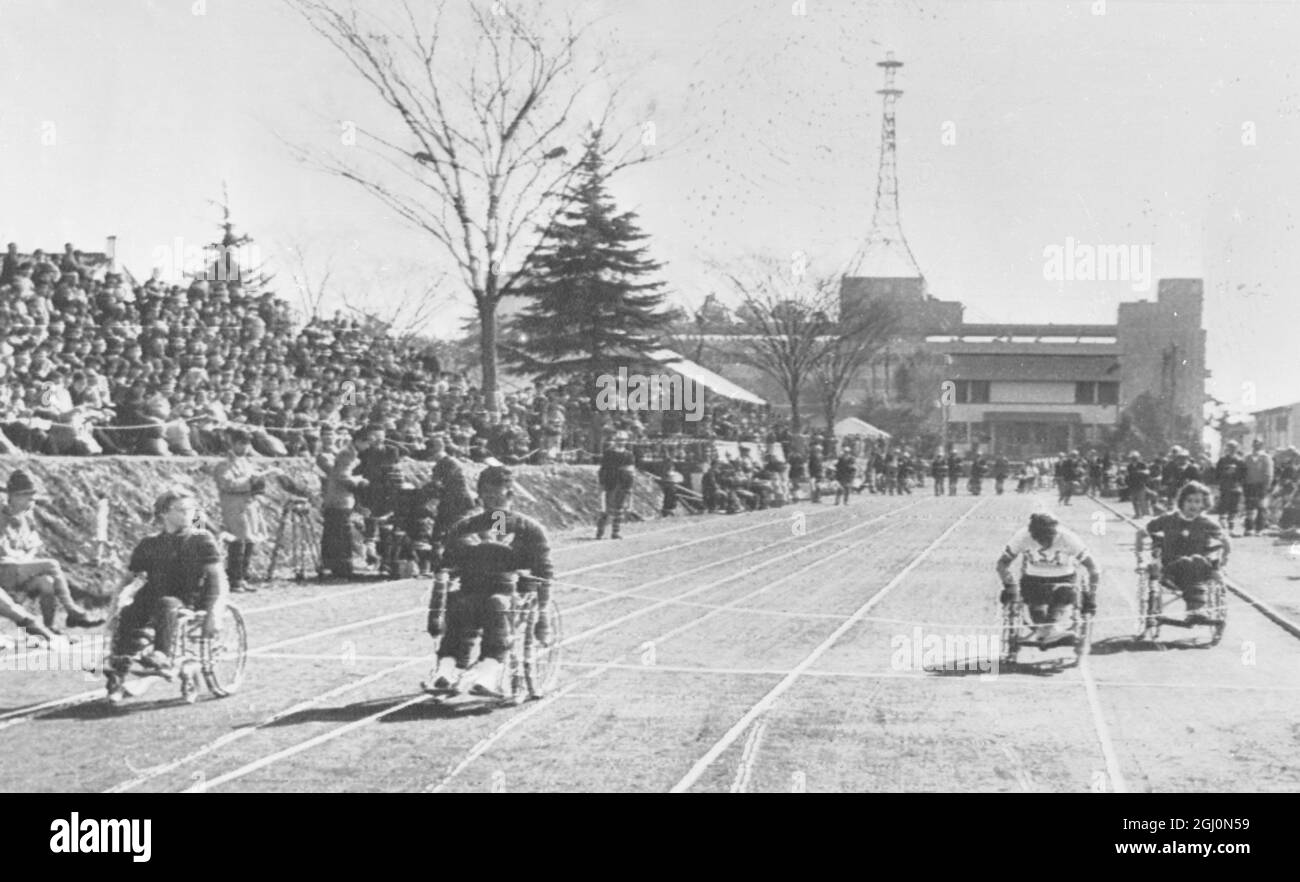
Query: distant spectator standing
239	484
1259	479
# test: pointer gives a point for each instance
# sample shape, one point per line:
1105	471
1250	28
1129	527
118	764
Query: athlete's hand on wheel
1008	594
1089	604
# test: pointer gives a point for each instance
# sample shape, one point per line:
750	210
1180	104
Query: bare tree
863	330
410	316
787	329
312	288
484	99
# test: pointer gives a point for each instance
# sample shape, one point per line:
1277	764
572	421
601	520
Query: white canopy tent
855	426
697	373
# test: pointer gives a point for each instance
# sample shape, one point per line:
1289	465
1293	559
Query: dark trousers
952	485
147	621
1044	595
1256	517
471	614
338	542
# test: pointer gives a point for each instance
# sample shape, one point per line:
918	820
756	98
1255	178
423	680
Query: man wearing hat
239	485
617	475
1137	475
1259	478
23	571
1230	475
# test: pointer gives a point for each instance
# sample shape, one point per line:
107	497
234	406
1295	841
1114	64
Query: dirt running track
764	651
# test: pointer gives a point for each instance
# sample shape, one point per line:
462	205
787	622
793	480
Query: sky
1167	127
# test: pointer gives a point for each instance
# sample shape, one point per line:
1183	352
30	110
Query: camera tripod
303	545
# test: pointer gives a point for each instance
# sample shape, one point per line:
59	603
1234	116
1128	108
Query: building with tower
1021	390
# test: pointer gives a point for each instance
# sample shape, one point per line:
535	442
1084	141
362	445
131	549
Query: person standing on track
341	548
1259	479
1068	471
488	550
938	471
1136	477
906	467
1001	470
846	469
816	473
978	468
617	475
954	471
1230	474
447	482
1047	583
238	486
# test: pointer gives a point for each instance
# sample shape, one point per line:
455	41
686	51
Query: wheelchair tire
541	664
222	660
1011	616
1219	605
1083	638
1148	603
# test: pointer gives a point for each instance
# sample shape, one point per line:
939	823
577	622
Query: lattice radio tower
886	252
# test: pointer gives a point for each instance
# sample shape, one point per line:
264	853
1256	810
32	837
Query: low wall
560	497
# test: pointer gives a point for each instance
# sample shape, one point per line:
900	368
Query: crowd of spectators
94	362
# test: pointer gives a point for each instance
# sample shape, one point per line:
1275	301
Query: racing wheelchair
218	662
531	667
1018	628
1155	591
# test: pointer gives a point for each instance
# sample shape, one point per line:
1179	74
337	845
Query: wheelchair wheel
1218	609
1011	615
222	658
541	663
1148	605
1082	638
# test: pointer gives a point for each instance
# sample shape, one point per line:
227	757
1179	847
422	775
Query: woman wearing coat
239	484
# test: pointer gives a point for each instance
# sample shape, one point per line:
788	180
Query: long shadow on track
351	713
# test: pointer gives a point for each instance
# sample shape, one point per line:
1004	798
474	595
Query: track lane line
762	705
244	732
294	750
486	743
24	714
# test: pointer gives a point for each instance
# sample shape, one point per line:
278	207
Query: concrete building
1031	390
1278	426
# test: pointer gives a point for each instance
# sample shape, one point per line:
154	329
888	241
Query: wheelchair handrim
224	659
542	663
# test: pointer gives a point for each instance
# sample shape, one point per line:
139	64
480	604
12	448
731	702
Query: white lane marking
748	759
268	760
1118	784
264	652
702	764
149	774
302	746
486	743
25	714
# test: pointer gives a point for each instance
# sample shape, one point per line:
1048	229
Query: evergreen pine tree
591	306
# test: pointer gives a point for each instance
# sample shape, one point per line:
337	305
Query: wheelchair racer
182	569
487	549
1050	554
1185	537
